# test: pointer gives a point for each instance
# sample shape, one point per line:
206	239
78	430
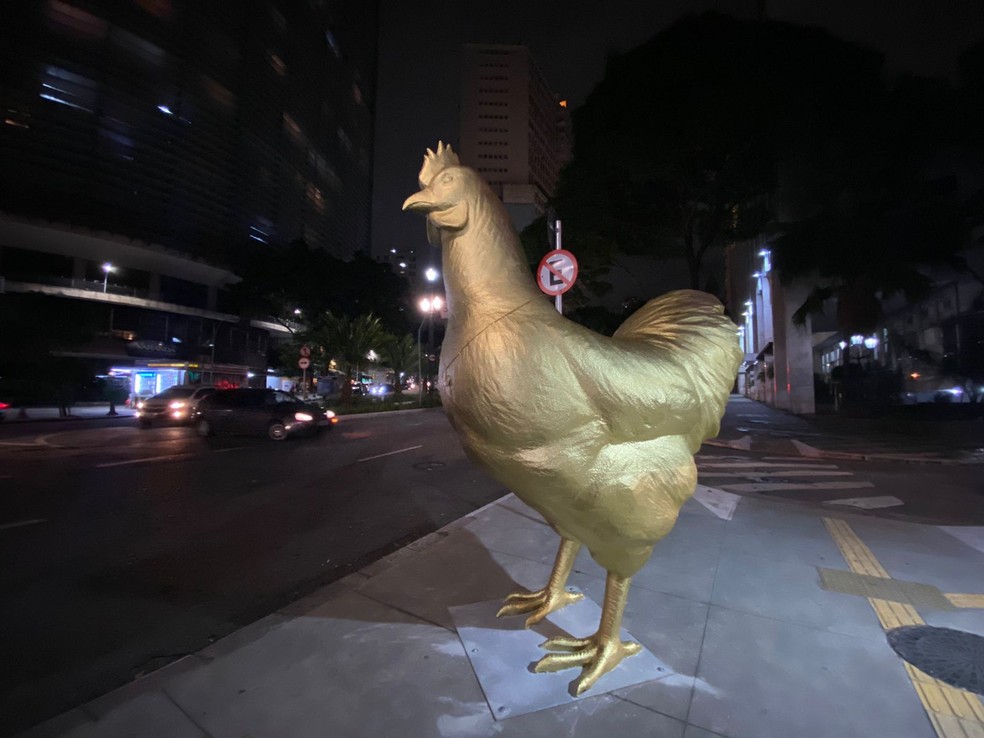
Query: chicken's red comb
435	162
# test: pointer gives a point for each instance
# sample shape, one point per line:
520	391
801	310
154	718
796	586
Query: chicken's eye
447	179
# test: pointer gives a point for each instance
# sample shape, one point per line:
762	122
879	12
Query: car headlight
303	417
329	413
140	404
177	405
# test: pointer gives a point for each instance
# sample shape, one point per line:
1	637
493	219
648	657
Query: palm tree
400	354
348	341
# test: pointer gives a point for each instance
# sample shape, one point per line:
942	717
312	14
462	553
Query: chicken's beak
420	202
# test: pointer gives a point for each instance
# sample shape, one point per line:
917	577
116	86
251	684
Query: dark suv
260	411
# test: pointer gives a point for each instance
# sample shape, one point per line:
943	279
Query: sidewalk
78	412
758	619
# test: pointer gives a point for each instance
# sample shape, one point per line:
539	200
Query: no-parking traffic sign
557	272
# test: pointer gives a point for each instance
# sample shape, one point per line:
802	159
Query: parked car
176	404
273	413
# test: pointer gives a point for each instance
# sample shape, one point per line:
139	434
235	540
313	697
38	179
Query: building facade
514	130
147	145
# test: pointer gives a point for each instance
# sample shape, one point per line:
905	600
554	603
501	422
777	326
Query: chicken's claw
596	655
540	603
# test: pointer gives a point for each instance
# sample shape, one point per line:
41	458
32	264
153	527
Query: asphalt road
125	549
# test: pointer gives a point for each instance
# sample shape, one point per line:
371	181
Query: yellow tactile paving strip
966	600
954	713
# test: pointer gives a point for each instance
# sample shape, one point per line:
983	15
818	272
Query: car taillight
4	406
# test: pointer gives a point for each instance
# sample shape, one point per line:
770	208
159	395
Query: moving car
273	413
176	404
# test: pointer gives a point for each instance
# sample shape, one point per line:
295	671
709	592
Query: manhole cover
429	465
952	656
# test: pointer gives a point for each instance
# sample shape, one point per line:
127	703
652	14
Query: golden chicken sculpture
597	434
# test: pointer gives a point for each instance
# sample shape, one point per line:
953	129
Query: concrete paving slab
504	529
685	562
502	652
772	679
969	620
789	590
972	535
900	536
351	667
133	718
719	503
693	731
799	537
593	717
456	571
950	573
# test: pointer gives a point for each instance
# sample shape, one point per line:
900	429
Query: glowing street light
107	268
431	274
428	306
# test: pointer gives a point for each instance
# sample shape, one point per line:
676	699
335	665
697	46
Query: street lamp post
107	268
429	306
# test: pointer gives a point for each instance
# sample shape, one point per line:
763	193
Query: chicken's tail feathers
688	328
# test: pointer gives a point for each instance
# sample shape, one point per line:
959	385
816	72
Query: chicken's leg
599	653
553	596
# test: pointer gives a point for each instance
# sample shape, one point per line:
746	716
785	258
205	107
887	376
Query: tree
347	341
280	280
676	149
399	354
872	205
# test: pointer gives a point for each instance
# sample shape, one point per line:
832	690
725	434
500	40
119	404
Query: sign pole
559	299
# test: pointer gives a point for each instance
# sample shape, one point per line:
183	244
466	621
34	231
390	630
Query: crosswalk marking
771	472
759	465
786	487
739	474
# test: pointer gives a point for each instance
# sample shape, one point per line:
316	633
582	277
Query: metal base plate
502	653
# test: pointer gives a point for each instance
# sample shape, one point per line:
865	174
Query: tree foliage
872	204
676	149
279	280
400	353
347	341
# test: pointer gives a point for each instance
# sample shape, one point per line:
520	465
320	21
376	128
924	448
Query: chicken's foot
550	598
597	654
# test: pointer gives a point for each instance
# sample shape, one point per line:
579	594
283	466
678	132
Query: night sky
419	83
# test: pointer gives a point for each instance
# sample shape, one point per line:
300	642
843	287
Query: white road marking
783	486
742	444
143	461
390	453
759	464
867	503
791	460
719	502
805	449
775	472
22	523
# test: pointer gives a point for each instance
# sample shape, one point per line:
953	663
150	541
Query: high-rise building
514	130
146	144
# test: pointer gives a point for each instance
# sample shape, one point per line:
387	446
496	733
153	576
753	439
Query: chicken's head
446	191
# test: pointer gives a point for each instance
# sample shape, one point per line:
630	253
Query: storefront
149	378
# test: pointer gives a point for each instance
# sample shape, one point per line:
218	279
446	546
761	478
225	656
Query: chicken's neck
485	273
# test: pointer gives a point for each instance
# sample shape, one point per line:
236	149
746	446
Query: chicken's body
597	434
